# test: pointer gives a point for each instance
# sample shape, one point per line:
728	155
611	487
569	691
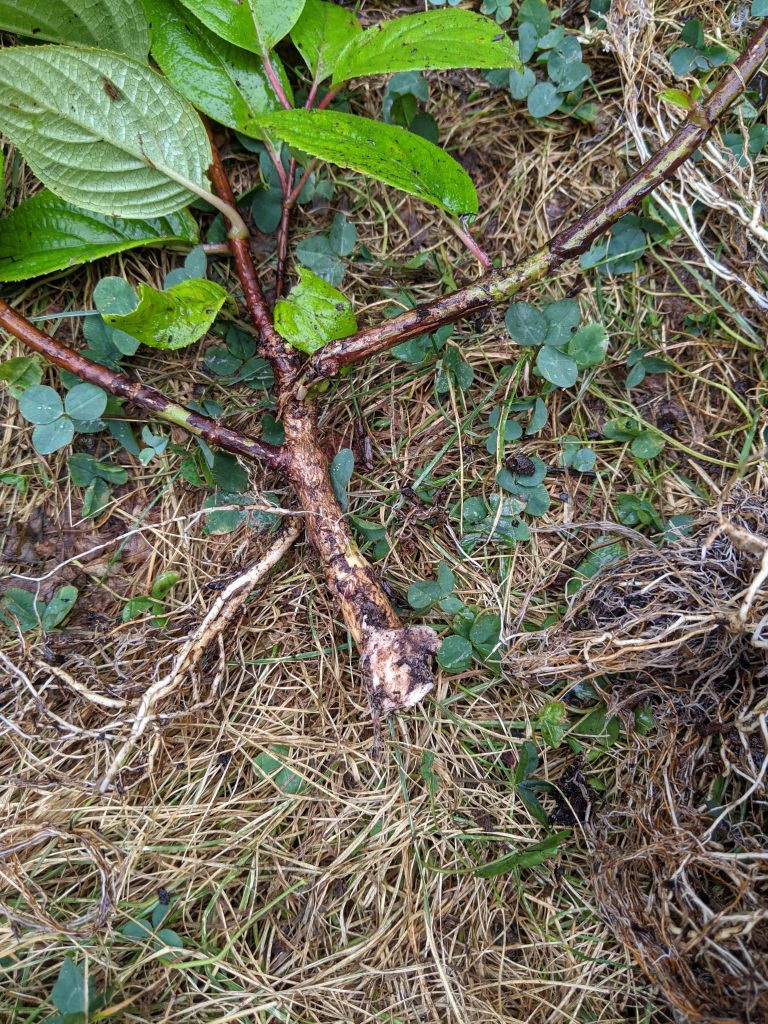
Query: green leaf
317	253
164	584
424	593
543	99
535	13
49	437
255	25
381	151
521	83
169	938
588	346
17	480
485	634
342	236
225	82
341	470
526	324
647	445
313	313
267	209
455	654
678	97
760	8
271	764
228	475
59	607
530	857
41	404
430	40
321	33
68	994
20	373
563	320
46	233
174	318
115	296
95	499
222	520
20	606
137	606
159	913
85	402
102	130
552	722
137	930
527	41
117	25
565	66
603	553
556	367
84	469
528	762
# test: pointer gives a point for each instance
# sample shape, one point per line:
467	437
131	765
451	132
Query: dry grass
345	888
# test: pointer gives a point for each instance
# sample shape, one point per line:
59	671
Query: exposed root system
680	857
682	615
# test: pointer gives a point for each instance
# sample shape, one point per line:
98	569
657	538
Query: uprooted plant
121	148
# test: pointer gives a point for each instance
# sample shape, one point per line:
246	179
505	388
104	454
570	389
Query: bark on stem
146	398
396	660
500	285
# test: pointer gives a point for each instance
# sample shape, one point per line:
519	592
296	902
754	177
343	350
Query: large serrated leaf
174	318
321	33
431	40
102	130
117	25
222	80
46	233
313	313
382	151
255	25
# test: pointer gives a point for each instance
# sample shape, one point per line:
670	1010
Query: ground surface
310	878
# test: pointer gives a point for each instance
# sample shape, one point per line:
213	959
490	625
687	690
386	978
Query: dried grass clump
680	857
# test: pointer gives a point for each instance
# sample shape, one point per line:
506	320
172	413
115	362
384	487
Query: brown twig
139	394
285	362
283	230
285	222
500	285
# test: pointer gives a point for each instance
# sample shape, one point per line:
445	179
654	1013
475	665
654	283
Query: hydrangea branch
500	285
146	398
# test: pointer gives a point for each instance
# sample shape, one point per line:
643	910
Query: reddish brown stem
285	224
144	397
329	97
500	285
285	362
480	254
274	81
312	95
283	231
